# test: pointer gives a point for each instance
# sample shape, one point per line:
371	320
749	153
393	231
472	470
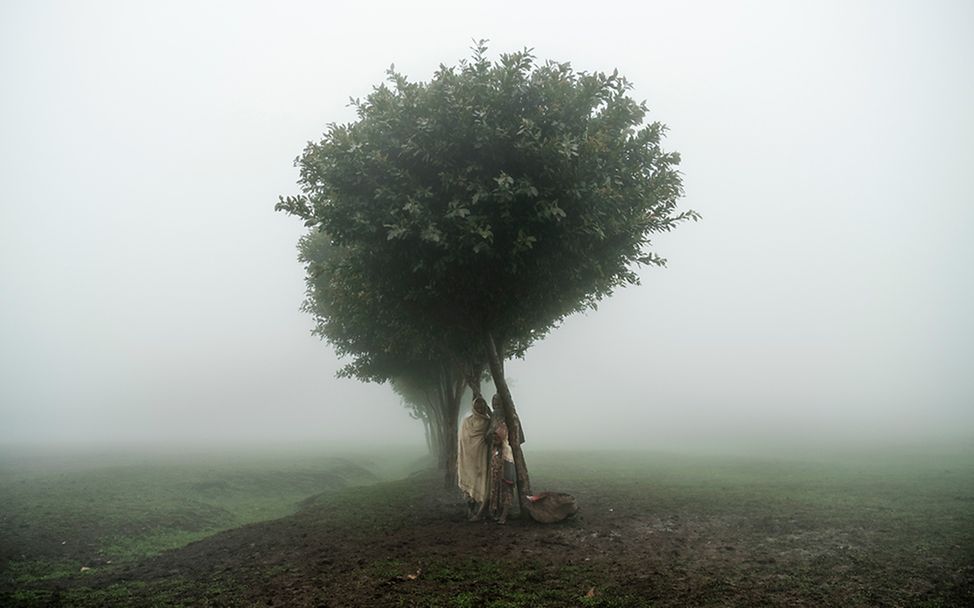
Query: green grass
56	520
902	490
886	514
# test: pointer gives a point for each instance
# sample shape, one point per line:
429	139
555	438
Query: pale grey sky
148	292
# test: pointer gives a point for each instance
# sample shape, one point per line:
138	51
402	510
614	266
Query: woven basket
551	507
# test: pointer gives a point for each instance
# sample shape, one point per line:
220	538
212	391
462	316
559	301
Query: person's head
480	405
496	401
501	432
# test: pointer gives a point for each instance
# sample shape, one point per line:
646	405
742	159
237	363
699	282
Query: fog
149	294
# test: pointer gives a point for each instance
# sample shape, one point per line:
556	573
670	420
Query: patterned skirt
501	494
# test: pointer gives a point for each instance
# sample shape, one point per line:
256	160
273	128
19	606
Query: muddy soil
408	544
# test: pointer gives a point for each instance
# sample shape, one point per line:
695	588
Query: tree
420	363
494	200
423	405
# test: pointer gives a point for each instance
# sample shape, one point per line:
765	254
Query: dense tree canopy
466	216
497	197
359	320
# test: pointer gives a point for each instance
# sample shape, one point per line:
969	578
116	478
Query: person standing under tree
501	475
472	458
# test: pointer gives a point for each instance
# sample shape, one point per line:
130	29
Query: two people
485	462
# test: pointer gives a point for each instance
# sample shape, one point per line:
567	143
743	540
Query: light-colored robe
472	456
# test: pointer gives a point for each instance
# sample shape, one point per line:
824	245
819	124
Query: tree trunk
512	420
472	377
451	389
436	424
429	438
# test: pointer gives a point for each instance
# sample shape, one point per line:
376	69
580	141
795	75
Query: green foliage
497	197
361	321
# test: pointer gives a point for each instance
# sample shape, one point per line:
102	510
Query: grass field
874	529
91	511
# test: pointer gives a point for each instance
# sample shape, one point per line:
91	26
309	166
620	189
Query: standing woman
472	458
501	475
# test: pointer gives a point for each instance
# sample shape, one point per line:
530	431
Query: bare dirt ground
635	542
422	552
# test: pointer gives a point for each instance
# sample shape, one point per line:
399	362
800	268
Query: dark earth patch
737	534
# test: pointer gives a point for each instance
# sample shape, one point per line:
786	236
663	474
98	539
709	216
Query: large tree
493	200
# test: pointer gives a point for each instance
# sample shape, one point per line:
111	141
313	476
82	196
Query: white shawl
472	457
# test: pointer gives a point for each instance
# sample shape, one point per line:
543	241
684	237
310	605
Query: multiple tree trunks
444	404
443	413
442	425
441	420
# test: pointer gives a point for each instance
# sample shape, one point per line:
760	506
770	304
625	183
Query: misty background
150	294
